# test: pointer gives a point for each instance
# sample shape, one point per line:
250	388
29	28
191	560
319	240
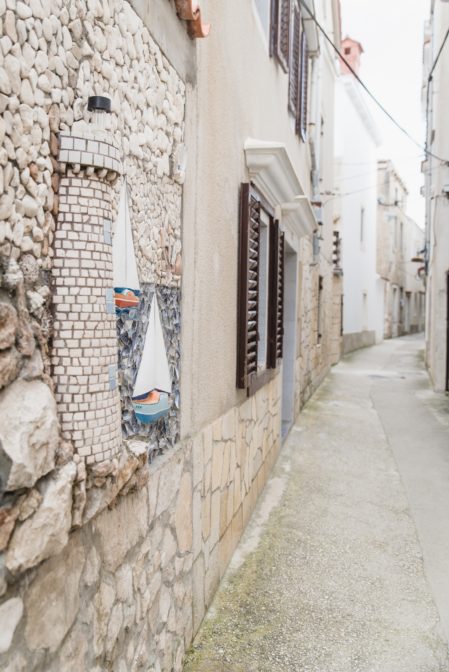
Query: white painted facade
356	142
436	110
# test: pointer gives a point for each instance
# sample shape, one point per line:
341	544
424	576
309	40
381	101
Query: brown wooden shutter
294	72
276	296
280	31
248	287
303	89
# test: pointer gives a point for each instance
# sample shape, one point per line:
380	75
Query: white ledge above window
272	173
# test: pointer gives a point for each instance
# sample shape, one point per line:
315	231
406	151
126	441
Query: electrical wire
364	86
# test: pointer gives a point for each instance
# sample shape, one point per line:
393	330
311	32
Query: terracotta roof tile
189	11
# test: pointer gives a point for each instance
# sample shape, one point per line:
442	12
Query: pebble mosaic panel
131	336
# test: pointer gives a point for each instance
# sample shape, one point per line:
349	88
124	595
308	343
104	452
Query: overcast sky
391	32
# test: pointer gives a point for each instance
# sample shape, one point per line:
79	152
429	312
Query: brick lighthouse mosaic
116	347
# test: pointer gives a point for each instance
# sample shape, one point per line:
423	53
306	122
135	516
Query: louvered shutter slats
294	72
280	31
248	287
303	89
280	299
276	312
253	286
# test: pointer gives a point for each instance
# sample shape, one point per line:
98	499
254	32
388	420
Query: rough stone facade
62	456
315	321
112	544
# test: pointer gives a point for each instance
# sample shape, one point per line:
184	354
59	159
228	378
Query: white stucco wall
243	93
438	234
355	150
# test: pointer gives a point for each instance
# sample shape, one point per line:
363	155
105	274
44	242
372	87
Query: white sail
153	371
124	259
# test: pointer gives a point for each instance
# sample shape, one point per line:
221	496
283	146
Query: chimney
352	51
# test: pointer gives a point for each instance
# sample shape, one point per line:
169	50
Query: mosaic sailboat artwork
126	279
153	386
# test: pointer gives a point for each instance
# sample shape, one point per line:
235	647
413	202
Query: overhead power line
364	86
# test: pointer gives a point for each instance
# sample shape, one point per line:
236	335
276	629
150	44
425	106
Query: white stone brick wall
84	354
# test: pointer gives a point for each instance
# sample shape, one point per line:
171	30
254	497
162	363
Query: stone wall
232	459
337	326
131	587
59	468
313	352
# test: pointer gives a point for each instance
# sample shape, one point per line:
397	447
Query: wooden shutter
280	31
294	72
302	119
248	287
276	300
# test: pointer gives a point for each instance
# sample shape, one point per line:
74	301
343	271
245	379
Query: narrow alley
343	566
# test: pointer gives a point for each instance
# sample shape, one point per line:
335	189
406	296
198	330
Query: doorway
289	355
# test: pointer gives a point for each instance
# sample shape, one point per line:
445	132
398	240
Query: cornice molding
272	172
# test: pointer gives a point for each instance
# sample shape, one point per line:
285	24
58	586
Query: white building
356	142
399	240
436	170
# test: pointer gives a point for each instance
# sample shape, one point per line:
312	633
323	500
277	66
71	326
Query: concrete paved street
345	564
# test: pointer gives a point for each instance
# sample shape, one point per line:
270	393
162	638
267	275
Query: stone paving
332	574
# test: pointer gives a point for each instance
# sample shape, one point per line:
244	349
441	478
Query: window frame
262	374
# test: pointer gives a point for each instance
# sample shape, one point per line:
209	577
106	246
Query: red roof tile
189	11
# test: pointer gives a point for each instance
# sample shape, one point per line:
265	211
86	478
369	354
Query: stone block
217	465
52	599
103	602
225	466
168	548
10	614
46	532
237	489
169	478
223	511
183	516
225	551
198	592
197	522
215	517
205	515
207	479
212	577
197	459
216	430
73	651
124	583
228	426
29	433
207	444
237	528
119	529
8	325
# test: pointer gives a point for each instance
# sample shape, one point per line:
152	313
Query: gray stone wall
53	56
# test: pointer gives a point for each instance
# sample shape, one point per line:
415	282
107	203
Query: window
262	319
280	32
261	290
294	71
288	44
302	119
347	51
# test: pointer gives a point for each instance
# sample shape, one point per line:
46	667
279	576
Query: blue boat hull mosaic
162	433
